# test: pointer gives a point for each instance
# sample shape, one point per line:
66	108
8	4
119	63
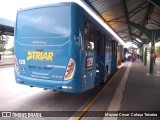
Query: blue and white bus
62	47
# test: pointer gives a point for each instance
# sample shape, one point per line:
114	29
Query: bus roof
46	5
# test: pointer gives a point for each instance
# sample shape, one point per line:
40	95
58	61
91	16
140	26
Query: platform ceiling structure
121	16
6	27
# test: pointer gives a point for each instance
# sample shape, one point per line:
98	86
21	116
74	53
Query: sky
8	8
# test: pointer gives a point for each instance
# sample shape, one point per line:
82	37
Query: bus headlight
16	66
70	69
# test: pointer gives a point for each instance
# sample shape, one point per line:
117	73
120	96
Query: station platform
132	90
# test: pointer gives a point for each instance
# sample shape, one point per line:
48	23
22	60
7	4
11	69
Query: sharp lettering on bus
34	55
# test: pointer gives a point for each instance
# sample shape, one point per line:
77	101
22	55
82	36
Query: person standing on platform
154	58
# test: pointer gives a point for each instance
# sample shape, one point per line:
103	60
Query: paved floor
7	60
141	92
16	97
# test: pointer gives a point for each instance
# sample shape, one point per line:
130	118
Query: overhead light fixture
135	41
138	40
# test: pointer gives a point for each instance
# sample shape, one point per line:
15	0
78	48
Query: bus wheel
105	75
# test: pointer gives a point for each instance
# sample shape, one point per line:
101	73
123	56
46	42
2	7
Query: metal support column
142	51
145	57
152	52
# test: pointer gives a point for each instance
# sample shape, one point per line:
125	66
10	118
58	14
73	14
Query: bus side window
89	36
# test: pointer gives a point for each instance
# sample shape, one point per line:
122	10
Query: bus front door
101	76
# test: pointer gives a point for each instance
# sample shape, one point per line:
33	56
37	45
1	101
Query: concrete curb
5	64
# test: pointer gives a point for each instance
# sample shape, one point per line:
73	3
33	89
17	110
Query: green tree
3	42
2	49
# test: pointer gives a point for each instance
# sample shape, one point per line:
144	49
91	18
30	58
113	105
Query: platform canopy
119	14
6	27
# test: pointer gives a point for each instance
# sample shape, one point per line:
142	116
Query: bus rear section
43	48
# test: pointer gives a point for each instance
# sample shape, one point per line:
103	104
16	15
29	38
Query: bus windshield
44	22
